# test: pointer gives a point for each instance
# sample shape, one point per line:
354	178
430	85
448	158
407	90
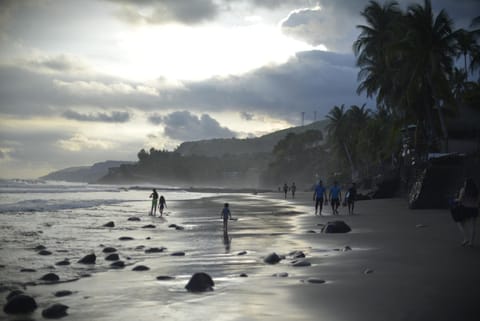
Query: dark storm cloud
185	126
155	119
314	80
113	117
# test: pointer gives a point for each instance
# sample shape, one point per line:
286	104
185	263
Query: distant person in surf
226	215
162	203
285	189
154	197
293	188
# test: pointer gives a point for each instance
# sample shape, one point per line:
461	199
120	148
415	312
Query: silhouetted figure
465	212
226	215
154	197
335	197
350	197
319	195
293	188
285	190
162	203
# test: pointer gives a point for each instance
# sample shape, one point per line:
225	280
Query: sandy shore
403	265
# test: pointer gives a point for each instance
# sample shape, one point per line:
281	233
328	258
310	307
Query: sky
95	80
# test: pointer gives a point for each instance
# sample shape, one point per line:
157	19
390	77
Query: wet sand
403	264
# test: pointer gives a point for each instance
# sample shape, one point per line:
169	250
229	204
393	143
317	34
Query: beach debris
20	304
367	271
155	250
63	262
336	227
242	253
109	250
178	253
243	275
44	252
301	263
281	275
140	268
134	218
88	259
109	224
420	226
149	226
61	293
117	265
55	311
272	258
200	282
51	277
28	270
112	257
125	238
165	277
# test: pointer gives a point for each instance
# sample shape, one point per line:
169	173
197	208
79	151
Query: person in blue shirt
318	196
335	196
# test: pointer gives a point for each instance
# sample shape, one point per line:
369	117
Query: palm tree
466	45
337	129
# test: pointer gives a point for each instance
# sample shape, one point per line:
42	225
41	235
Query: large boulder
55	311
50	277
88	259
272	258
336	227
200	282
112	257
20	304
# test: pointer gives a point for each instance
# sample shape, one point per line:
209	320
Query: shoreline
402	265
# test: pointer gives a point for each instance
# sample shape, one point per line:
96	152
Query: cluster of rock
21	303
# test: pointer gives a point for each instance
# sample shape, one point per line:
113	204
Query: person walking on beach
154	197
226	215
285	189
335	196
466	211
293	189
162	203
318	196
350	197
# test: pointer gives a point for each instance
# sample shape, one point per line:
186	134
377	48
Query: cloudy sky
93	80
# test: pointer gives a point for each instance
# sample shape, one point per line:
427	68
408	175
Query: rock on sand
200	282
55	311
20	304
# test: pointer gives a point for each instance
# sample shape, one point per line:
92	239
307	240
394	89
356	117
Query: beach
395	264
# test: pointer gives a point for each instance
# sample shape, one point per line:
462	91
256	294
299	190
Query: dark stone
316	281
109	250
125	238
200	282
141	268
13	293
179	228
44	252
88	259
311	232
63	293
272	258
242	253
28	270
117	265
297	254
55	311
51	277
109	224
368	271
336	227
149	226
20	304
155	250
172	226
64	262
178	253
281	275
112	257
134	218
301	263
40	247
243	275
347	248
148	238
165	277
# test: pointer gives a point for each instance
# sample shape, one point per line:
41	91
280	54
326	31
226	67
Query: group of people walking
334	197
287	188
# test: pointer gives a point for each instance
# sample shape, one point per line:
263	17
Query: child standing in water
162	204
226	215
